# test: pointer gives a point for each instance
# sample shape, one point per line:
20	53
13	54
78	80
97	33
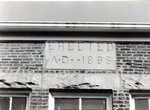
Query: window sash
11	100
100	105
53	95
107	100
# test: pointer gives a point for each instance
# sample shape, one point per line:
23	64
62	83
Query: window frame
80	95
10	93
138	94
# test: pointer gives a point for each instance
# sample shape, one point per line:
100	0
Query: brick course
39	99
120	100
133	58
21	57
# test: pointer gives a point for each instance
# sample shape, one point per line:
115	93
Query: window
80	101
12	103
140	100
80	104
13	100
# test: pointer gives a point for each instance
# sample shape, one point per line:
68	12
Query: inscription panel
80	55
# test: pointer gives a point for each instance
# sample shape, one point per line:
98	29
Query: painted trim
11	97
138	94
72	31
86	95
17	92
10	103
51	105
107	91
132	102
74	26
64	38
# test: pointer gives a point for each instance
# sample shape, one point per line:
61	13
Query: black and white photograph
74	55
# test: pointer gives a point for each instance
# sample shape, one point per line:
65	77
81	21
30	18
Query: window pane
4	103
93	104
141	104
18	103
66	104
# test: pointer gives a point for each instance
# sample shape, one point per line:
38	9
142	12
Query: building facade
105	67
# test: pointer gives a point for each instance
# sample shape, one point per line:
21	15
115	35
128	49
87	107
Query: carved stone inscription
80	55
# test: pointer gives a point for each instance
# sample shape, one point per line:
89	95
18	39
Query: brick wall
28	57
39	99
121	100
22	57
133	58
133	61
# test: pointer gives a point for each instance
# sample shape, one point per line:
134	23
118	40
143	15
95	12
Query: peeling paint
136	81
82	85
14	80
